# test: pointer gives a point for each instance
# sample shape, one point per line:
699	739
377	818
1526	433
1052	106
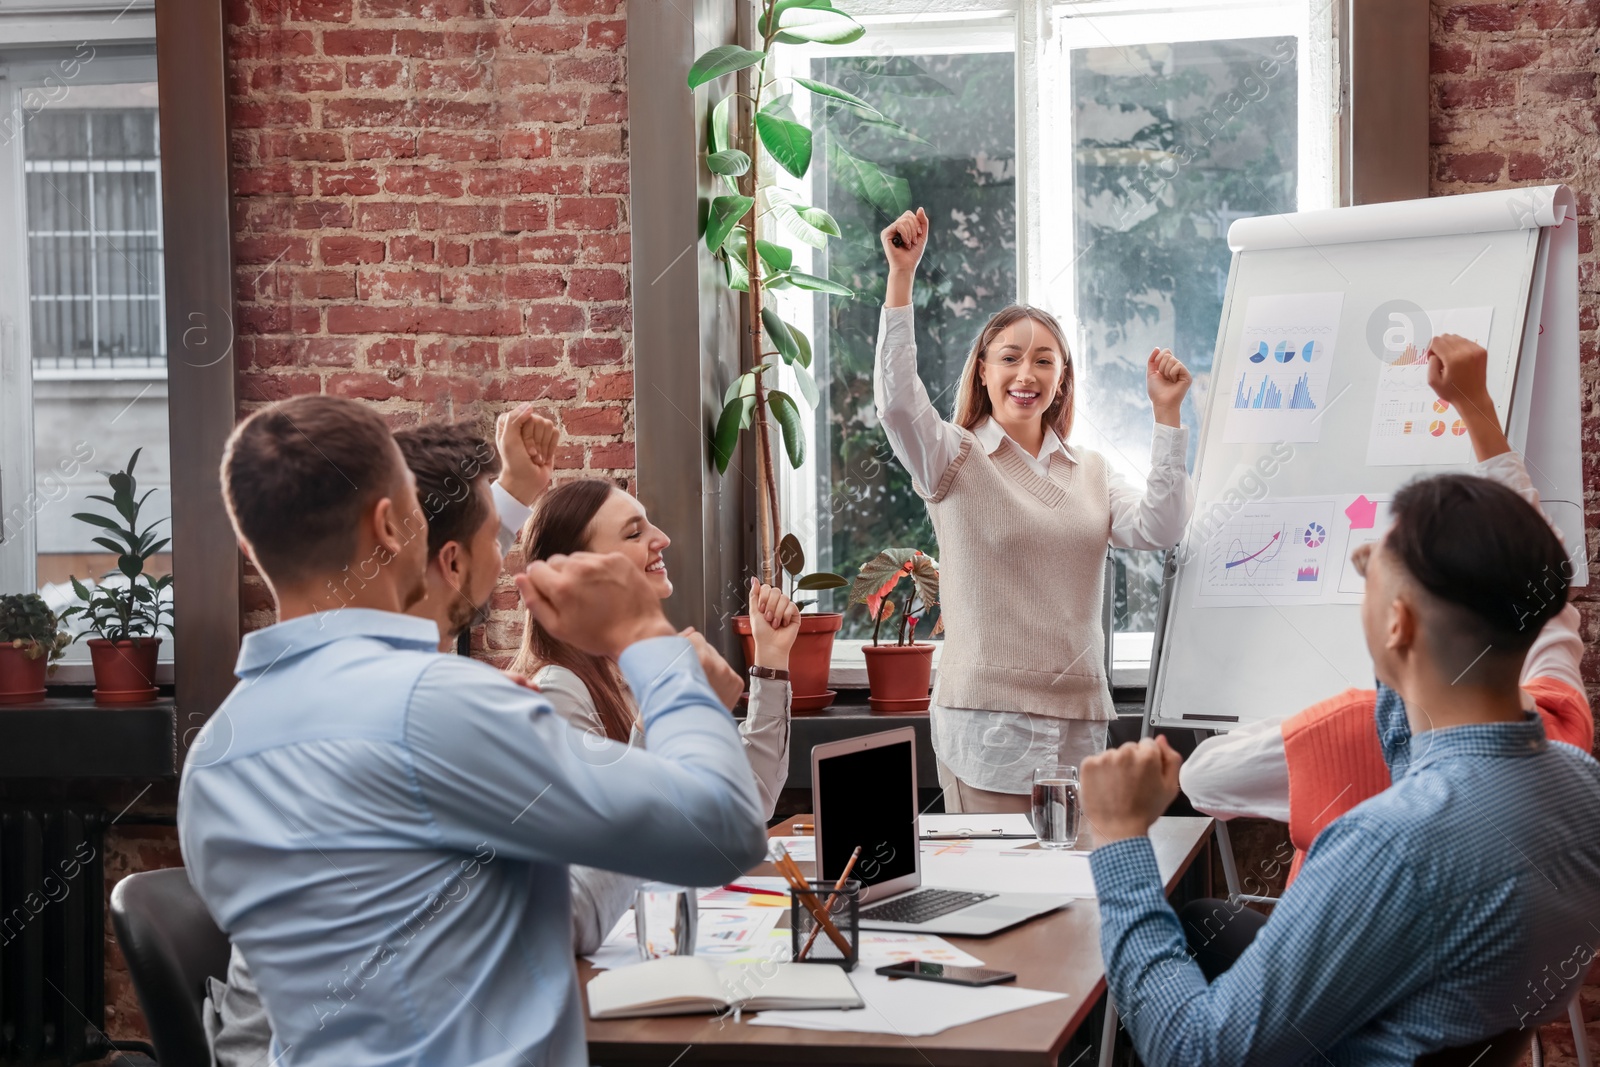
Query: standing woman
1023	522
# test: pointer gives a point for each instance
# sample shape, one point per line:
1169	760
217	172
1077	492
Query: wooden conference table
1058	952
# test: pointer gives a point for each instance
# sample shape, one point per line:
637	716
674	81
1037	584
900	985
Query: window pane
96	331
962	169
1172	142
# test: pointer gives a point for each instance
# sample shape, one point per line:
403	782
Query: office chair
172	947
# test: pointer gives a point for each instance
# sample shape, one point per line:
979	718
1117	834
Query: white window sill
1130	665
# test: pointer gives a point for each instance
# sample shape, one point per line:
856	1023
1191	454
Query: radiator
52	936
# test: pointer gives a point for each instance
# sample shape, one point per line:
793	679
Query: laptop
864	792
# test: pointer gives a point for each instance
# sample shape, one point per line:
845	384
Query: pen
735	887
836	887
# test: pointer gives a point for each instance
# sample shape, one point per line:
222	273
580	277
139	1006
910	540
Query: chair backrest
172	947
1502	1050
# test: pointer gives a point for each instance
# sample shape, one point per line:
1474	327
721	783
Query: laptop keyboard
922	905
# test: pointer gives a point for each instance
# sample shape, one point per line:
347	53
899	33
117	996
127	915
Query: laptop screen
870	800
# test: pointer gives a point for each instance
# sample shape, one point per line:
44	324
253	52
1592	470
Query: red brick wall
1514	103
431	214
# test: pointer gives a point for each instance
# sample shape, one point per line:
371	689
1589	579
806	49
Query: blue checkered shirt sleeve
1309	980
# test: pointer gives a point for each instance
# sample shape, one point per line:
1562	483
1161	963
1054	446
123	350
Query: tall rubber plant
753	260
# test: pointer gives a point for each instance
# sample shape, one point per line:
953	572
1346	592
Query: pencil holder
809	941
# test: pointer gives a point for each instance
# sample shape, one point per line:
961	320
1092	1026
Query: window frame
1379	71
197	268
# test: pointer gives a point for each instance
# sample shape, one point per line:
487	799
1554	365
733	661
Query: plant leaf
804	343
783	5
818	219
723	59
925	574
821	25
717	137
99	520
744	384
875	572
787	142
833	92
802	280
109	545
774	255
730	162
808	384
791	555
822	580
781	107
782	339
791	423
783	206
738	276
735	417
888	194
889	129
726	211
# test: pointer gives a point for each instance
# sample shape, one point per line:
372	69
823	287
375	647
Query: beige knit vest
1021	577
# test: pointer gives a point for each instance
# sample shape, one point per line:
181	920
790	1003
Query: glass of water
1057	805
664	920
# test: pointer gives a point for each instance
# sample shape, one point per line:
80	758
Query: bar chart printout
1267	552
1282	364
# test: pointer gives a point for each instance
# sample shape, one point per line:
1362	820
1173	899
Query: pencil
797	881
836	887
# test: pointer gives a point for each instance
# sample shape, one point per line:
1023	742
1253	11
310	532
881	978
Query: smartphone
939	972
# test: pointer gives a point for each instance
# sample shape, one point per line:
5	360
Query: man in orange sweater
1311	768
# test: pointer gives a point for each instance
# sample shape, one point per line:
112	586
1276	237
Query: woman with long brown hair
1023	522
591	515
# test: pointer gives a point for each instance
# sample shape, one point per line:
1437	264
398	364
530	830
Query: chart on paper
1411	426
1268	552
1279	379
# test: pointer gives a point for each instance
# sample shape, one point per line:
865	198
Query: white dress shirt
998	750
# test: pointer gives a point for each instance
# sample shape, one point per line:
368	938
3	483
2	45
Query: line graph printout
1271	552
1278	380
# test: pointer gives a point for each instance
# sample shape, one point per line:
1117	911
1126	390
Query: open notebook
684	985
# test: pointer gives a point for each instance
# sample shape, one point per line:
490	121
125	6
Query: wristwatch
771	673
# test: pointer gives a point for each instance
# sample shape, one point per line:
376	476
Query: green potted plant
124	611
31	640
745	226
813	649
899	674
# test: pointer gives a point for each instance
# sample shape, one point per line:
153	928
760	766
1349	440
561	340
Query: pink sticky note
1362	513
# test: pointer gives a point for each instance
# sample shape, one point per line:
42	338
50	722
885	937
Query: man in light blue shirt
384	832
1457	905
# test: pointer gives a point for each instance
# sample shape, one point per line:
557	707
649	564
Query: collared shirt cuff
897	327
656	661
1129	864
1170	446
513	512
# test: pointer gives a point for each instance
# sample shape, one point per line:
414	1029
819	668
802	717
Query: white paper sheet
1275	551
909	1007
878	947
1278	377
1015	823
723	935
1498	209
1029	869
1411	426
801	849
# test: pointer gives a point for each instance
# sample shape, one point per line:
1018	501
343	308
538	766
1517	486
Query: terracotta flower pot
21	678
124	671
808	660
898	676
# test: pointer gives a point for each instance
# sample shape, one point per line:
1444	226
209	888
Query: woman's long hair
558	526
972	399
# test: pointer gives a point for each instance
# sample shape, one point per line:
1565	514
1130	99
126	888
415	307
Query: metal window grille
94	240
